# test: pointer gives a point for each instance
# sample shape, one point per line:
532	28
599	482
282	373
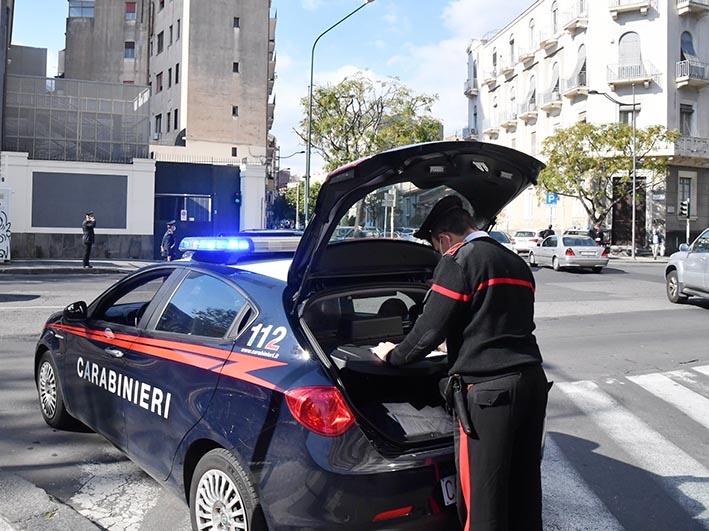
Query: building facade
540	72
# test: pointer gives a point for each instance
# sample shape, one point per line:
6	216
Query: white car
503	238
525	240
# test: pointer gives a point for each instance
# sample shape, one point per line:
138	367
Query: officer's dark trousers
499	478
87	253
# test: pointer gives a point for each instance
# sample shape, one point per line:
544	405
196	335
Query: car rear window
578	241
525	234
499	236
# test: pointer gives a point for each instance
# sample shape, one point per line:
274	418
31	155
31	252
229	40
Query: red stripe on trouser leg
464	473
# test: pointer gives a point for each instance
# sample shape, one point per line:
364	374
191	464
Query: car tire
555	264
597	269
222	496
531	260
51	396
674	293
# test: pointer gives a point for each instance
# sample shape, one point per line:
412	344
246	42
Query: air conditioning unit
156	136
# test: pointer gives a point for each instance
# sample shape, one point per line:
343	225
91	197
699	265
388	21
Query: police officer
167	247
87	227
482	304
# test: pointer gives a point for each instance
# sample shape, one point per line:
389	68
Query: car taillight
534	240
569	252
512	240
320	409
605	252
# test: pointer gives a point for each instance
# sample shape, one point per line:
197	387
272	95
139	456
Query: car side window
201	306
127	305
549	242
702	243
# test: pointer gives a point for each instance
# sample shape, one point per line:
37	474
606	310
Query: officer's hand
382	349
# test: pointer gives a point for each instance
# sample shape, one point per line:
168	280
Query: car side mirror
683	247
76	311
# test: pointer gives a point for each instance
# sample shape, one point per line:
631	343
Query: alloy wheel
48	389
219	505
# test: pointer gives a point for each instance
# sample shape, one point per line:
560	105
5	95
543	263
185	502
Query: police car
241	376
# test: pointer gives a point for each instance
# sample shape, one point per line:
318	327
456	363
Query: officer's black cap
90	213
443	207
171	222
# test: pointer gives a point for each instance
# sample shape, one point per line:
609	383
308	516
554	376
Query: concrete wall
27	61
29	241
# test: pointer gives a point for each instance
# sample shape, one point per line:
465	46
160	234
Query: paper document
420	421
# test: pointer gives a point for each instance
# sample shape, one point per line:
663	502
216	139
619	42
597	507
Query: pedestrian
167	247
656	243
87	227
482	304
596	234
546	232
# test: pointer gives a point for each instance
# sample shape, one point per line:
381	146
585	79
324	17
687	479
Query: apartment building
540	72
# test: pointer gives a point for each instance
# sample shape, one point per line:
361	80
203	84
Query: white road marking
683	476
704	369
692	404
568	502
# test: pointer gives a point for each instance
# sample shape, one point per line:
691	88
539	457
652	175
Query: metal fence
65	119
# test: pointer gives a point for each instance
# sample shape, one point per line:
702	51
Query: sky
421	42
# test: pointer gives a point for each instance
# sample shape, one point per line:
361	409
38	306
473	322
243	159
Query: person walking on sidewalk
655	243
88	226
167	247
482	304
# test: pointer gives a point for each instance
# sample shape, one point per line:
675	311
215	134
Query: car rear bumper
579	261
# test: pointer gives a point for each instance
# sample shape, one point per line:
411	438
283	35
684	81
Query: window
158	83
512	49
129	50
629	56
177	73
169	77
554	89
701	245
202	306
158	124
81	8
532	36
685	119
533	143
554	17
235	67
235	110
130	10
177	37
161	41
168	121
234	152
236	22
687	52
169	42
162	4
175	118
494	59
127	305
686	190
626	113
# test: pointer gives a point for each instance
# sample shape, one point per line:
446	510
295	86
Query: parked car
687	272
242	378
524	240
503	238
569	251
575	232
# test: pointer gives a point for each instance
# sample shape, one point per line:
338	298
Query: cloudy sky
422	42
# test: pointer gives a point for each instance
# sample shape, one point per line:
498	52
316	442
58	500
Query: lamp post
310	108
632	217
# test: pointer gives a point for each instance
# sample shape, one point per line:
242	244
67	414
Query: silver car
687	272
569	251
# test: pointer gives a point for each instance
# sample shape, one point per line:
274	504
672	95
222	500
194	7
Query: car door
177	362
546	250
96	387
696	265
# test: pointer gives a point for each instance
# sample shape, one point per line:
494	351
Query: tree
359	117
586	159
294	197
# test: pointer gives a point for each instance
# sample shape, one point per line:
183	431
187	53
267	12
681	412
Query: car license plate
448	485
588	253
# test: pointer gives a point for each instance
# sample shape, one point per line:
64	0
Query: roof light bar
217	244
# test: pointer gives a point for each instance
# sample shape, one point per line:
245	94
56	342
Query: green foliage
296	193
359	117
585	160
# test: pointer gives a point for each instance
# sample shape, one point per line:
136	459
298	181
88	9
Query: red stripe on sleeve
451	294
509	281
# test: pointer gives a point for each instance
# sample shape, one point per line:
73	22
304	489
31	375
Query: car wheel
531	260
674	293
597	269
222	496
51	397
555	263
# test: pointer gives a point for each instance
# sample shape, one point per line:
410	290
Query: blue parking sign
552	199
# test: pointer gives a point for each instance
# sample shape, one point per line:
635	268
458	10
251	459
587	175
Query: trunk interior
399	407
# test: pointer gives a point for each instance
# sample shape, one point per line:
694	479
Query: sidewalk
25	507
52	267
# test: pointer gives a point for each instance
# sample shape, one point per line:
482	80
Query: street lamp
610	98
310	108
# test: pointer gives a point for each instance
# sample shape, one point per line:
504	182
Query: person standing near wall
167	247
88	226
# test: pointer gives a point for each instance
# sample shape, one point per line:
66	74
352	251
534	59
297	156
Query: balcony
491	131
574	86
549	41
575	21
551	101
470	87
617	7
507	68
691	7
691	150
508	121
527	56
490	79
528	111
692	74
620	75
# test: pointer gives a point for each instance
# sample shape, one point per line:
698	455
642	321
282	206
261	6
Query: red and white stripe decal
232	364
465	297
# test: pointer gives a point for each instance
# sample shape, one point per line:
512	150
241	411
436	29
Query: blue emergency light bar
234	245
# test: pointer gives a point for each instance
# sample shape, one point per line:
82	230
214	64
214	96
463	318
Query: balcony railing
490	78
628	6
525	56
491	129
692	147
631	74
692	73
550	101
470	87
507	67
574	86
576	19
508	121
528	111
549	40
685	7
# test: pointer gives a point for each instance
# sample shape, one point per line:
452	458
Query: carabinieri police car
241	377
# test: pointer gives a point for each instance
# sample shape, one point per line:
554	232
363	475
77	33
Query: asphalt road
621	452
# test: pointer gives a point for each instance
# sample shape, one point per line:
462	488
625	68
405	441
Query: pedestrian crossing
625	419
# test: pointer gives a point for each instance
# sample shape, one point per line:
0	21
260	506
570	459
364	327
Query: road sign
552	199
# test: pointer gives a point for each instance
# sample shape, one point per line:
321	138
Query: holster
453	390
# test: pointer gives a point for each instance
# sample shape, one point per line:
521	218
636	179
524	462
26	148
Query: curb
21	270
26	507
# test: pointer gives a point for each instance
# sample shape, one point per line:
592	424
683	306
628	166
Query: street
626	444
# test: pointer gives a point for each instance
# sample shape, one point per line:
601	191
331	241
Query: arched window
513	100
554	88
512	49
532	35
554	17
531	99
494	59
629	49
580	70
687	48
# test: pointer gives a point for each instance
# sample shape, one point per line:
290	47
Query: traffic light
684	208
237	198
